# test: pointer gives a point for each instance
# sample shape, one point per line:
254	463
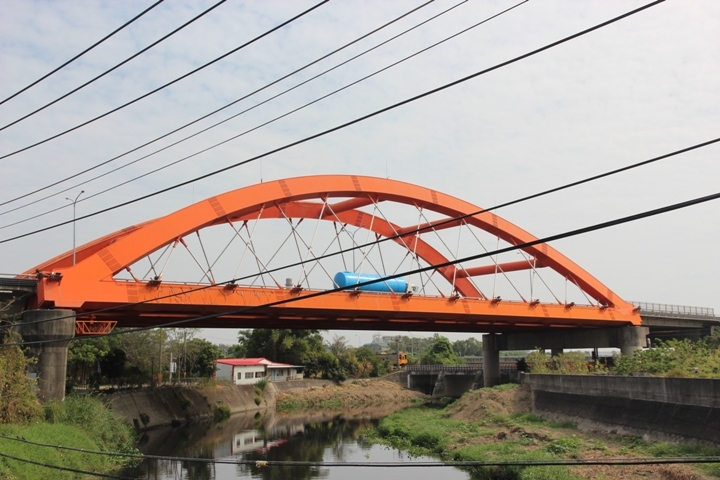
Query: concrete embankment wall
652	406
165	405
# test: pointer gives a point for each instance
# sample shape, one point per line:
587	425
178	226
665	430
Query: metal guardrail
474	368
443	368
668	309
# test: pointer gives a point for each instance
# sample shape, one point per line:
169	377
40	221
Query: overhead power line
189	22
323	57
466	463
234	137
83	52
511	248
287	22
344	125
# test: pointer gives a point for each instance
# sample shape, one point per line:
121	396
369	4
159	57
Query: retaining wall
652	406
167	405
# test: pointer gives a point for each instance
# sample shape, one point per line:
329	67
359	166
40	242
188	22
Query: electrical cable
344	125
467	463
83	52
235	137
64	469
414	231
216	111
511	248
98	77
169	83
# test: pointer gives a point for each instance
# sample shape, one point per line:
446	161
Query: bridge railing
681	310
443	368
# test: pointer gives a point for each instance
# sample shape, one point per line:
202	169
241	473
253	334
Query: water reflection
272	437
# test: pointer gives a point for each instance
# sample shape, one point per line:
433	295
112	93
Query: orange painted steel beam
430	226
93	327
245	307
90	284
502	267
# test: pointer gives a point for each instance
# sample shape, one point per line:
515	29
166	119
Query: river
274	437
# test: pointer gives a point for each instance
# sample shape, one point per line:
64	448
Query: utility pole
74	202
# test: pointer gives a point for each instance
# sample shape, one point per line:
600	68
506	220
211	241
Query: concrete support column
51	366
491	360
631	339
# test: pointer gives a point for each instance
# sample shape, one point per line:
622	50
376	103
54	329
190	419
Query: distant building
249	371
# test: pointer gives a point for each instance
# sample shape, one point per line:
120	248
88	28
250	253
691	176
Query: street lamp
74	202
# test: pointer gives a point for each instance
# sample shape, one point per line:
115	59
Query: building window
259	374
249	375
239	376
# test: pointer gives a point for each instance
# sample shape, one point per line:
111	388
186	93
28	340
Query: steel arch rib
98	261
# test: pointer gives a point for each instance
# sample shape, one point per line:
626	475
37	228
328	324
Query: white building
249	371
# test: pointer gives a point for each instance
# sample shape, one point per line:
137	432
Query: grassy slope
80	422
58	434
496	424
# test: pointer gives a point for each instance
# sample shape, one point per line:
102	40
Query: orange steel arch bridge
313	222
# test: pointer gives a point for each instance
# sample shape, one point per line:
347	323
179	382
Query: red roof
248	362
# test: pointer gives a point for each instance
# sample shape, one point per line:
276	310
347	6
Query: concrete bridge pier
51	366
491	360
631	339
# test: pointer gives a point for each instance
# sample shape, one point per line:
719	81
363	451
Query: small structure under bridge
452	381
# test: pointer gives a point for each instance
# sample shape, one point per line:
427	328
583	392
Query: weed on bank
522	436
80	422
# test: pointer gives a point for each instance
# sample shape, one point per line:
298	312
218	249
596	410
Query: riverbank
497	424
163	406
348	396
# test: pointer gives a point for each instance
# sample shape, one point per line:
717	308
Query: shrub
96	419
261	384
18	403
221	413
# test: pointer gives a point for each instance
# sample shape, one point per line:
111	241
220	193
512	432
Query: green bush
674	358
221	413
95	418
261	384
18	403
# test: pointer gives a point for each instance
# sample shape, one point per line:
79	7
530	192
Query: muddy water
310	438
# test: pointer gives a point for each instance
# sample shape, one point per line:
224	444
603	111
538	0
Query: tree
143	349
296	347
441	353
470	347
370	365
236	351
338	345
113	363
84	356
201	356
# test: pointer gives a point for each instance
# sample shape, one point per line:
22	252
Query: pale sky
639	88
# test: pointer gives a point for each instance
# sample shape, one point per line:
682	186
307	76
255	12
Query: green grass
81	422
59	434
